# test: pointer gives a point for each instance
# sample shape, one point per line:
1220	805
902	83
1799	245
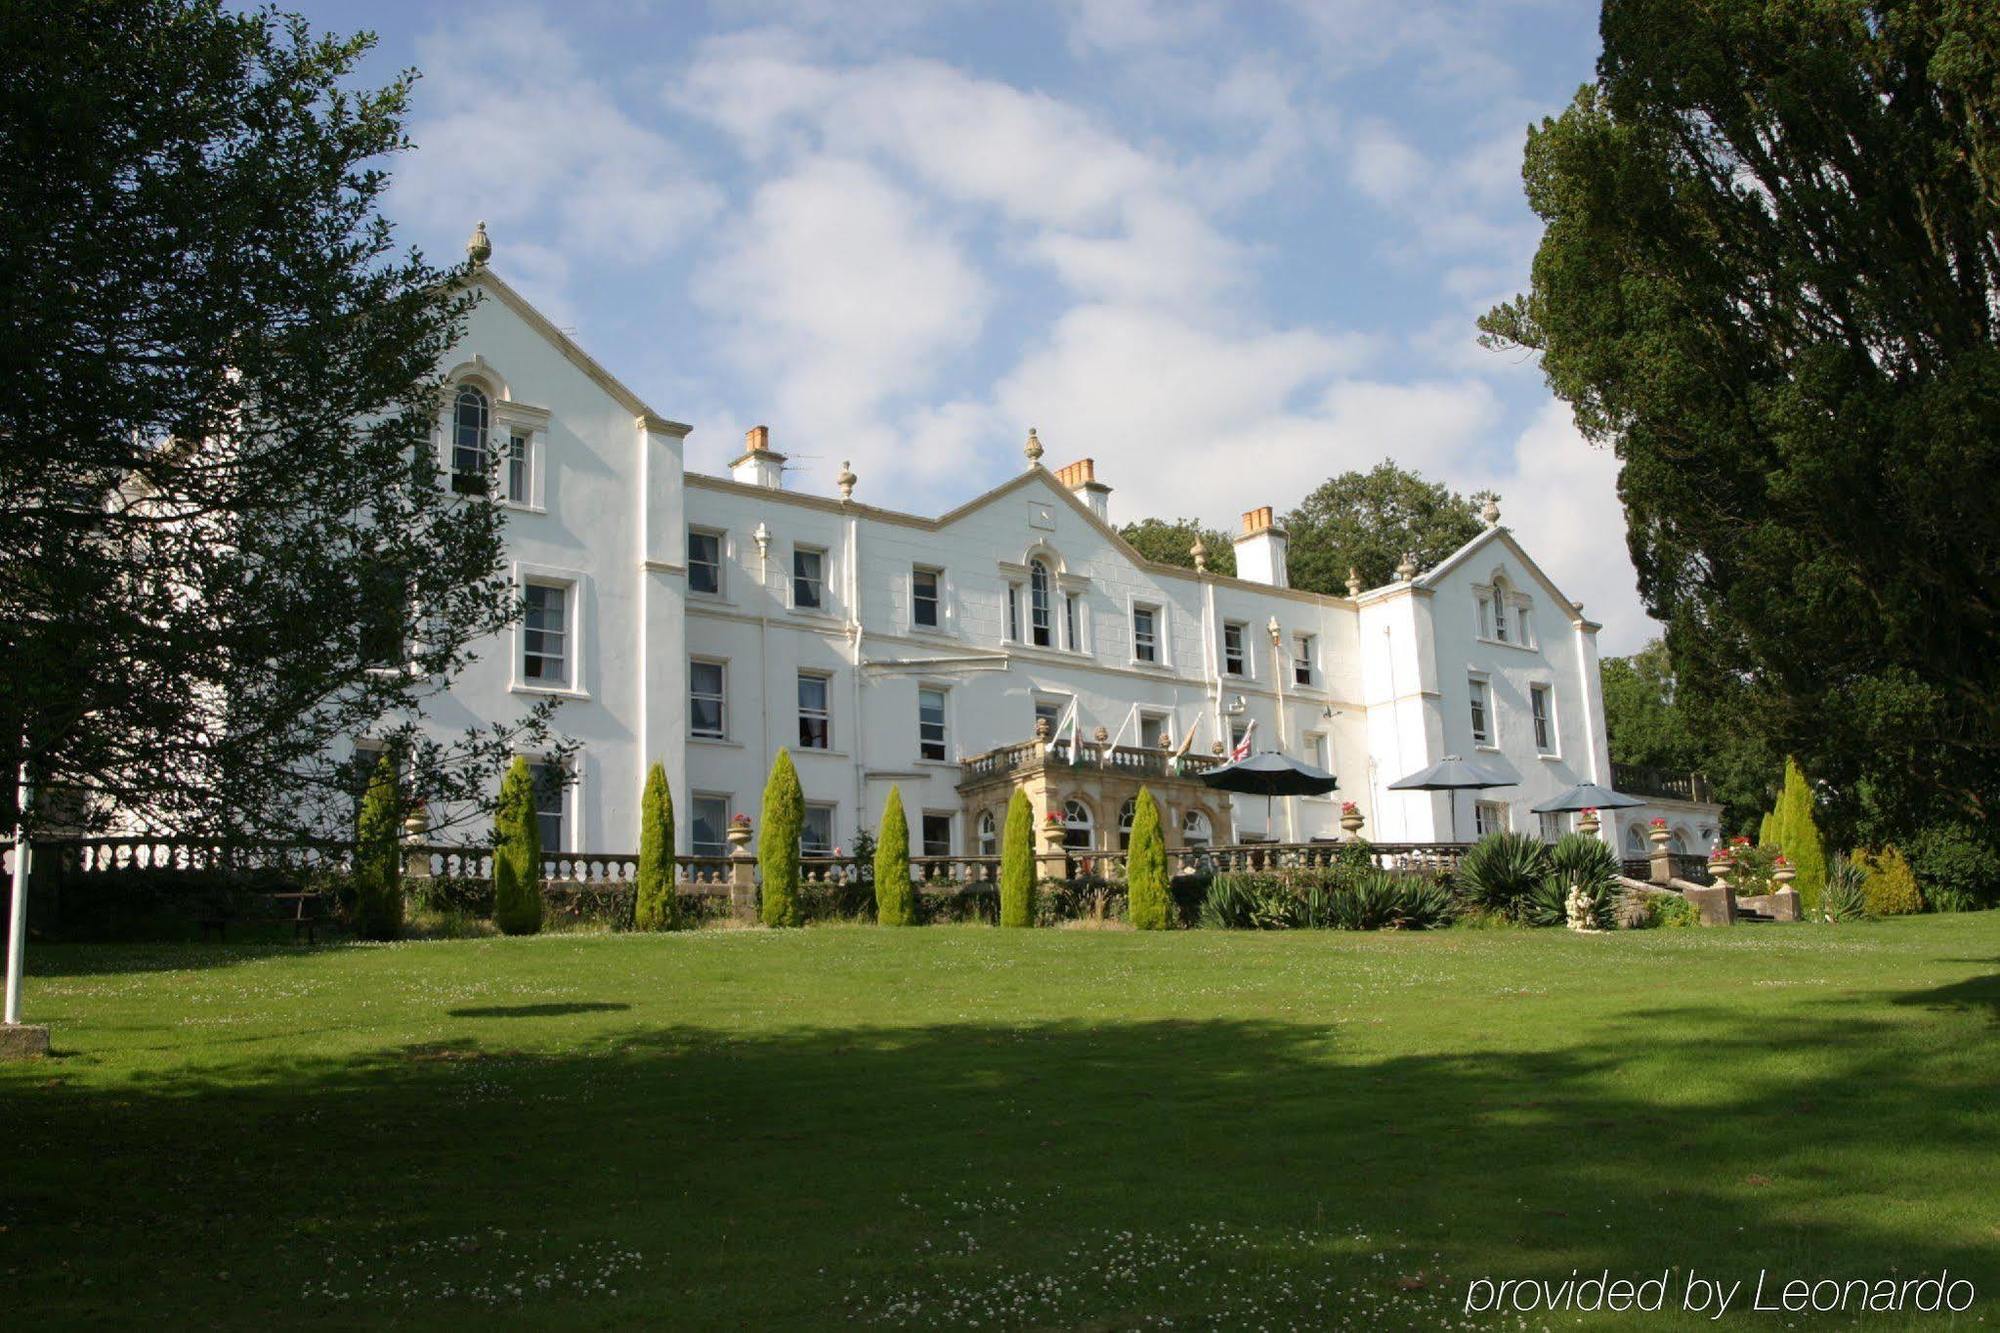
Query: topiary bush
1017	863
378	868
517	854
1150	904
1797	835
895	897
784	816
657	906
1891	886
1500	871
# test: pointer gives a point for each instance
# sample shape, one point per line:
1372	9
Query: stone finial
1406	568
1101	735
1353	581
1490	511
846	481
1033	449
1200	553
1217	748
1043	729
477	247
762	536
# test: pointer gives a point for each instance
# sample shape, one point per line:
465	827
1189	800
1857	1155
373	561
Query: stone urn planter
1588	824
1054	831
1350	820
416	824
739	837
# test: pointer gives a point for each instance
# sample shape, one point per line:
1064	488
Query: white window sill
1139	664
938	763
520	506
820	614
800	750
1487	746
551	691
1549	758
1506	643
722	741
931	632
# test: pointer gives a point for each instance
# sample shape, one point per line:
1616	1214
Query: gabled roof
1432	577
487	279
1017	482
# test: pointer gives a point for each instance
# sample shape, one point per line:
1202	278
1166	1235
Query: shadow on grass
1973	994
800	1178
553	1010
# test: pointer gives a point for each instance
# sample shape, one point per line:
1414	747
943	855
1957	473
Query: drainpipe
762	536
1278	683
854	633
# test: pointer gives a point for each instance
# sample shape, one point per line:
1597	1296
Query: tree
517	854
1149	903
657	904
784	816
1648	721
1798	837
1769	281
1172	543
1366	521
895	897
219	503
1017	862
378	868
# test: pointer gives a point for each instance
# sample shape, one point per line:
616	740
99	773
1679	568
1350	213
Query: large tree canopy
1368	521
1649	721
1770	280
223	545
1172	543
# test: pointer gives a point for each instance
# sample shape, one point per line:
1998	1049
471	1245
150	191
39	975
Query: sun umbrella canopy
1271	774
1586	796
1450	773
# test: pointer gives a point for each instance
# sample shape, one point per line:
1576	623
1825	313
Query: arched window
1078	826
1039	623
1677	842
989	835
1500	609
469	420
1126	814
1195	830
1635	840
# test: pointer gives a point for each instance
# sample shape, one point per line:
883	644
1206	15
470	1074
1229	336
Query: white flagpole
17	916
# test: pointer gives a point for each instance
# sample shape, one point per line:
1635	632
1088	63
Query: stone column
742	874
1785	899
416	857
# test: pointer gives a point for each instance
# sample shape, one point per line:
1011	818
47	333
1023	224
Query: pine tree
1150	904
378	870
1017	863
1767	830
658	905
517	854
895	898
784	816
1798	836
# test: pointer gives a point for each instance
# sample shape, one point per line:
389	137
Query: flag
1242	750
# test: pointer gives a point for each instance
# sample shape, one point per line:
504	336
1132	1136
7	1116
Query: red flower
1349	808
1739	841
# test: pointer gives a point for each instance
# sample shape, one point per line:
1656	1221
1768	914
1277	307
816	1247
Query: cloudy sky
1227	250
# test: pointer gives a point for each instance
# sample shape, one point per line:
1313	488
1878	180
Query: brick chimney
1260	550
1081	477
758	466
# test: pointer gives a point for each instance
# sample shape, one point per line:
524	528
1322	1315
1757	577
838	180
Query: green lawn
1031	1129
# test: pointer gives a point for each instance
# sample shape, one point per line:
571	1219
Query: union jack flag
1242	750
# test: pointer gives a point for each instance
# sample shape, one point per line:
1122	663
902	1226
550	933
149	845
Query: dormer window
470	419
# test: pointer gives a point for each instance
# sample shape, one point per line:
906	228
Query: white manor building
704	621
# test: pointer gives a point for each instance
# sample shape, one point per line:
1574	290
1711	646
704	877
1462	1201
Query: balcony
1639	780
1131	761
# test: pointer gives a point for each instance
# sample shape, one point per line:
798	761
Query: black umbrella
1454	775
1270	774
1586	796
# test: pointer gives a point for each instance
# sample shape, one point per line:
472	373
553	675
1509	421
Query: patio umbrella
1270	774
1586	796
1454	775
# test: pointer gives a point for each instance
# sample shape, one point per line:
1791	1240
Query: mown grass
1030	1129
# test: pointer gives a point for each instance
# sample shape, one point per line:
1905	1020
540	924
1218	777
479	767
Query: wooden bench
304	913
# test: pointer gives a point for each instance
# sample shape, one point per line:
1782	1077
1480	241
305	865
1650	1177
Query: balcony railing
1128	760
1639	780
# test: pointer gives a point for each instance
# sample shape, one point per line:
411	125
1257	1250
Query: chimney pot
1260	549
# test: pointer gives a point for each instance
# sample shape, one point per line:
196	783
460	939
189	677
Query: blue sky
1227	250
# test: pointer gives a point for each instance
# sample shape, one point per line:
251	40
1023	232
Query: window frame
824	714
1302	657
1500	810
720	697
564	655
462	477
1240	630
567	806
943	724
1480	716
1041	604
721	846
1542	713
1207	836
818	606
1072	825
719	537
936	598
807	813
924	843
988	834
1154	638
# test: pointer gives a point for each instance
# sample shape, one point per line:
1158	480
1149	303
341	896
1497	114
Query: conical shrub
1798	837
658	906
783	816
517	854
1150	904
378	868
895	898
1017	863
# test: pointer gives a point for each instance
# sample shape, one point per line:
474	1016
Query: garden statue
1582	912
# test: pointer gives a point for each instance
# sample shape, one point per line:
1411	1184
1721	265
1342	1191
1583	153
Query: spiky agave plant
1844	896
1501	870
1580	861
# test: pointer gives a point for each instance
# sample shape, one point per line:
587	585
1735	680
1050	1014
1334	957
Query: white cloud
554	156
842	291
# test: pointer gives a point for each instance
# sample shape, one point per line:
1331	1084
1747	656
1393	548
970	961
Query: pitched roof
1431	577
